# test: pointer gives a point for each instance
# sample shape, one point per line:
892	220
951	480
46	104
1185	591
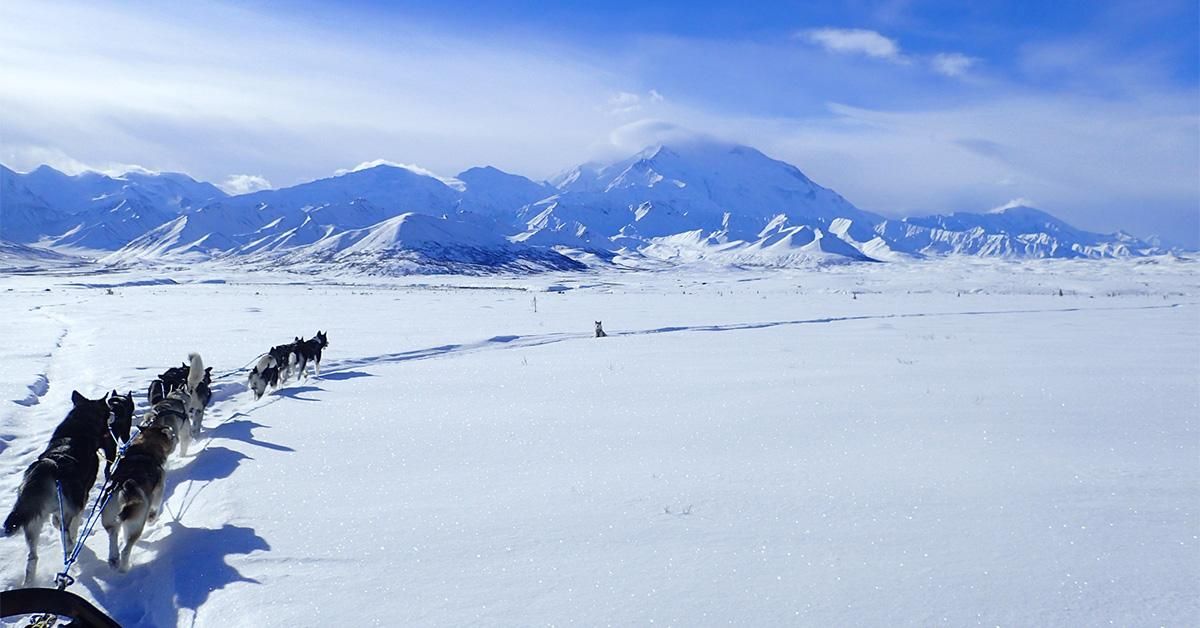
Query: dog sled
48	607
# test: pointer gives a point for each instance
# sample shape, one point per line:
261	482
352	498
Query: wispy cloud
951	63
244	184
374	163
622	103
855	41
875	45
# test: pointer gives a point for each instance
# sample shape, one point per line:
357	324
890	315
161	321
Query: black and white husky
174	378
265	373
137	490
182	409
70	461
310	351
285	358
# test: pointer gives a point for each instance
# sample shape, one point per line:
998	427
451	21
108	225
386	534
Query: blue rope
63	579
62	519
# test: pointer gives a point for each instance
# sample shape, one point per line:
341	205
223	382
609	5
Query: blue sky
1090	110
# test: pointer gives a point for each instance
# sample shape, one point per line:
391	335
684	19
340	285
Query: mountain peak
46	170
382	168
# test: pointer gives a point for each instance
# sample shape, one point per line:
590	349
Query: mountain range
697	200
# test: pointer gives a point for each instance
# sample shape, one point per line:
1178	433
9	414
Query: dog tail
132	498
37	487
196	372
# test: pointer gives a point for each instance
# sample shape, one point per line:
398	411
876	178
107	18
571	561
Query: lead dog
310	351
182	409
138	490
69	461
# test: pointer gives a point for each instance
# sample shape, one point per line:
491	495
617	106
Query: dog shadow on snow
212	464
242	430
189	564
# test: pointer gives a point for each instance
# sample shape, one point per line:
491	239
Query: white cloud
171	89
450	181
855	41
244	184
951	63
1020	201
648	132
624	102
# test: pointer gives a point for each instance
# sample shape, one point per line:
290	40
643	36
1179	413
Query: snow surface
945	442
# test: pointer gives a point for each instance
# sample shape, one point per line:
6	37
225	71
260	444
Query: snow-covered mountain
694	200
92	210
383	218
707	200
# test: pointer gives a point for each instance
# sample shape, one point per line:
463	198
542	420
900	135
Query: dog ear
77	398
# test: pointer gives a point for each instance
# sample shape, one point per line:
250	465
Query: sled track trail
516	341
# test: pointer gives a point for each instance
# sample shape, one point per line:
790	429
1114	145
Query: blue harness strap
63	579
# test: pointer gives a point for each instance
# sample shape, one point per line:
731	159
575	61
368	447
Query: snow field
752	448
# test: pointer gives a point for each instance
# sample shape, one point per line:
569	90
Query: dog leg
73	529
157	499
111	519
33	530
134	526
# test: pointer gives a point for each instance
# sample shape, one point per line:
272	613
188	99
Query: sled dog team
66	471
278	364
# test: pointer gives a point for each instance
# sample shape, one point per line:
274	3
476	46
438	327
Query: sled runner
56	603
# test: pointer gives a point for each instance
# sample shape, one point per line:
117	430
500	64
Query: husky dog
263	374
310	351
137	490
600	330
71	461
173	379
285	356
120	420
182	409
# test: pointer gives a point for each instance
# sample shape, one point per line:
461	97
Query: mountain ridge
690	200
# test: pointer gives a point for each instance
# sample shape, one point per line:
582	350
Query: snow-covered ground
945	442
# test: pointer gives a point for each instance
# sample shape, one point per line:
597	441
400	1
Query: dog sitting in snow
600	330
71	461
137	489
182	409
310	351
